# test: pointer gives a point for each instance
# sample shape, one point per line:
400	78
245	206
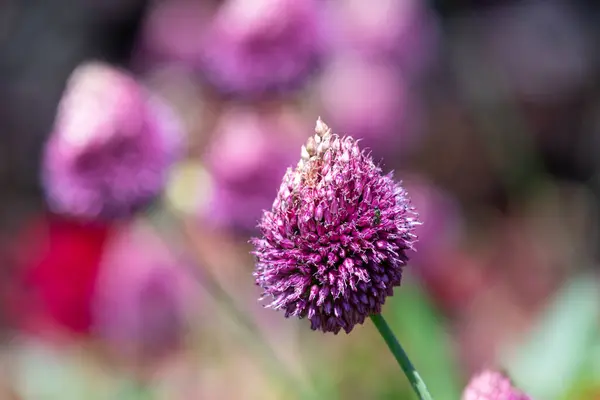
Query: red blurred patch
60	261
453	278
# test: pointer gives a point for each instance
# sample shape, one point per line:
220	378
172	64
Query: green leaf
46	373
548	363
420	329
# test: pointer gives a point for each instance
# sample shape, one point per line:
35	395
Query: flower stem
394	345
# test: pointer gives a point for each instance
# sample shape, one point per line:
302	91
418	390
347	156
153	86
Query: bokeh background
488	111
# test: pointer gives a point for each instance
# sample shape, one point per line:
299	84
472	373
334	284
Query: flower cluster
334	245
247	158
257	46
492	385
111	147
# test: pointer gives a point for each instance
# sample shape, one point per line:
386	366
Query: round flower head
257	46
250	151
111	146
492	385
172	32
335	242
401	30
143	296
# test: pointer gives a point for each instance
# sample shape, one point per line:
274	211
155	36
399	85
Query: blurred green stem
394	345
276	366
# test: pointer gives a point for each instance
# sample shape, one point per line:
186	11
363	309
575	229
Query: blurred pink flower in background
144	296
440	214
59	268
369	101
258	46
173	32
249	155
403	31
492	385
111	147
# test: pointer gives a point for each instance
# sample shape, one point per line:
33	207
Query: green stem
409	370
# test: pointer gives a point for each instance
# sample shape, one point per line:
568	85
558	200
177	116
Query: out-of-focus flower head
173	31
60	265
143	297
253	47
111	147
369	101
400	30
492	385
335	242
440	214
250	152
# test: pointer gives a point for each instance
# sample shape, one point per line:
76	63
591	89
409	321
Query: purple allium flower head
250	151
144	296
335	242
401	30
492	385
111	147
172	32
258	46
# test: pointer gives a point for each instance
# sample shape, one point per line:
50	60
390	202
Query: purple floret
334	245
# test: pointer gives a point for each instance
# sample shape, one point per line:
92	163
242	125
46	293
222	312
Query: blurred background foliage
487	110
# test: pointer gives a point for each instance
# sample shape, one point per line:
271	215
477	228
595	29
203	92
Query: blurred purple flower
111	147
173	31
334	245
369	100
258	46
441	217
250	151
143	297
492	385
400	30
